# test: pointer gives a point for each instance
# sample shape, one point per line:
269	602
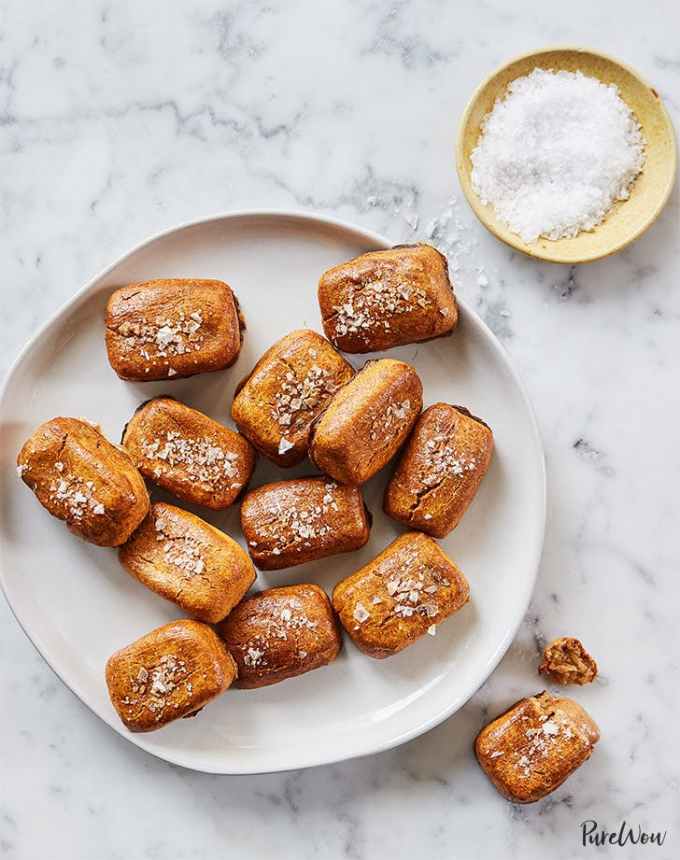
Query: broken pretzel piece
566	661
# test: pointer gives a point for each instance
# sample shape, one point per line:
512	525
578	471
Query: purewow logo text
627	834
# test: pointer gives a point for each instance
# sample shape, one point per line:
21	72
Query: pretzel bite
172	672
292	522
387	298
534	746
171	328
188	454
288	388
367	421
406	591
440	470
280	633
189	562
79	477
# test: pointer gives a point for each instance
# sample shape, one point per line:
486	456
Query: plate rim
398	738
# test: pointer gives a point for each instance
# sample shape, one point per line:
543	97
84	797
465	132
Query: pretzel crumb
566	661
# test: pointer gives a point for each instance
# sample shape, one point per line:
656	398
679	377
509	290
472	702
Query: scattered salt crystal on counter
412	220
451	235
556	153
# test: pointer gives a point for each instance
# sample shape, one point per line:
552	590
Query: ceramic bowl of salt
566	155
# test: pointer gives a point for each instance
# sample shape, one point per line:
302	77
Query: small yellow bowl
628	219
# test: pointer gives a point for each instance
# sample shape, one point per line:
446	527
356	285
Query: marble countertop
118	119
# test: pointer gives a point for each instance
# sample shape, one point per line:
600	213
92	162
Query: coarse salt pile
556	153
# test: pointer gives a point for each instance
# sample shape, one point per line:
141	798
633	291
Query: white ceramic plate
78	605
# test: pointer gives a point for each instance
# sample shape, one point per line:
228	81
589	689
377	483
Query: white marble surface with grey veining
118	119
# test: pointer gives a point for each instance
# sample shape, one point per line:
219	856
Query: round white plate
78	605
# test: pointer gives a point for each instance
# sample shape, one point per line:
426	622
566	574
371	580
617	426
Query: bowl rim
511	239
